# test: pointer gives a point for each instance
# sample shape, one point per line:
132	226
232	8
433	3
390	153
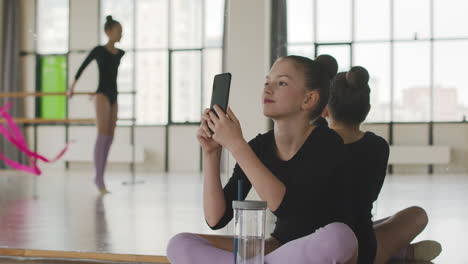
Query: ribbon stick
13	134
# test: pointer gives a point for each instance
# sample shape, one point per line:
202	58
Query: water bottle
249	231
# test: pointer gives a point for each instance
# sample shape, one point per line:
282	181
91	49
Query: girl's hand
71	90
70	93
226	128
204	135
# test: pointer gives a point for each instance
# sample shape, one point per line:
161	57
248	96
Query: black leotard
108	65
367	161
366	164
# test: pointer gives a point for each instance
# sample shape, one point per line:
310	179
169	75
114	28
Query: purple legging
332	244
101	151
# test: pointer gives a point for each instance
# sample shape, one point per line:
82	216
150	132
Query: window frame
391	41
170	50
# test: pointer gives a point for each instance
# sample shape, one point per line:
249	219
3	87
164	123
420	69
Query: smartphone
221	87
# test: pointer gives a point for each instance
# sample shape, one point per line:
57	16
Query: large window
52	20
376	58
335	18
53	80
414	51
450	85
52	46
412	88
173	49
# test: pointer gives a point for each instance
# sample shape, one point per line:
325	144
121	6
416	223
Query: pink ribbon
13	134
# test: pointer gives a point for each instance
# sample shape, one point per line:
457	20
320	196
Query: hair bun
109	18
329	63
358	77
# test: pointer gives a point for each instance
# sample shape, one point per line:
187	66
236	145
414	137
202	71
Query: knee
420	216
342	242
340	233
179	246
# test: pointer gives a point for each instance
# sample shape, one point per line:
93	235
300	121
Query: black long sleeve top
315	180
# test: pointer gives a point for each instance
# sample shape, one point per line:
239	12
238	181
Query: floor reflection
62	211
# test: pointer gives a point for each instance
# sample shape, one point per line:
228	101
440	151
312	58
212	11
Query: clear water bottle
249	231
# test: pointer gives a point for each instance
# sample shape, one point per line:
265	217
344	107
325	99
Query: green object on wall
53	80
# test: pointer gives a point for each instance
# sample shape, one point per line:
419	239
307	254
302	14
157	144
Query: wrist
213	154
238	146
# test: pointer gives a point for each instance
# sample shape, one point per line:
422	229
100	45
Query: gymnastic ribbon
13	134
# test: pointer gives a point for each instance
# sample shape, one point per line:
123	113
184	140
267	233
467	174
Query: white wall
153	141
84	24
184	150
455	136
445	134
28	26
411	134
50	142
1	40
28	62
247	58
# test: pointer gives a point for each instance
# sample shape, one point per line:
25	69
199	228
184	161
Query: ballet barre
51	121
39	94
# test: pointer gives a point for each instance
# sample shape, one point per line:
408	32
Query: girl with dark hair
297	168
367	158
108	59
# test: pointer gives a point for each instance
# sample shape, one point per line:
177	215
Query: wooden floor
445	198
62	211
23	260
60	214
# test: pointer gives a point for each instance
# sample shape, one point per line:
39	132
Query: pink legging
332	244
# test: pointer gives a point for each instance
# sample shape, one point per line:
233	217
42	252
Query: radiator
419	155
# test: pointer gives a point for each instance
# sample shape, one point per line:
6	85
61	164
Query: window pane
375	57
122	11
82	106
53	80
450	18
450	86
372	19
301	50
340	52
186	92
300	21
212	65
125	111
186	23
125	74
333	20
152	24
152	83
412	82
52	18
214	23
407	24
